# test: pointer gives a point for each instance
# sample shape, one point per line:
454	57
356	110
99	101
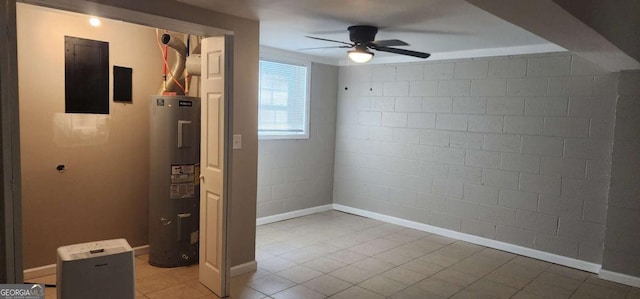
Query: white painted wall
298	174
515	149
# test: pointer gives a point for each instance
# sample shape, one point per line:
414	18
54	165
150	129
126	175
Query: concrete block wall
298	174
622	247
515	149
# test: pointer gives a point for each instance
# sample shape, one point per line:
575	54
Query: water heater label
182	191
196	177
182	181
180	169
195	237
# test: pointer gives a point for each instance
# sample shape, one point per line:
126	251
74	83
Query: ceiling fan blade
329	40
327	32
422	31
402	52
387	43
331	47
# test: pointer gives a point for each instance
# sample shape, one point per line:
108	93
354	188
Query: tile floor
337	255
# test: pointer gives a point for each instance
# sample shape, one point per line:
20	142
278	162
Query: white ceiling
445	28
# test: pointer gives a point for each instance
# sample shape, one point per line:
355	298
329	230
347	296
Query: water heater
174	192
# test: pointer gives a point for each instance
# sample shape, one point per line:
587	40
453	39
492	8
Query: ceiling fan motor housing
363	38
362	34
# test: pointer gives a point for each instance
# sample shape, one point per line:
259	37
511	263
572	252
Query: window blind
282	98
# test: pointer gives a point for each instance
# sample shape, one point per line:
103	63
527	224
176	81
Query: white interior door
213	265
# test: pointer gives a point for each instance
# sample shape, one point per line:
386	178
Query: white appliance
101	269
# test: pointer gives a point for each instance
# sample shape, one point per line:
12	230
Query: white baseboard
251	266
137	251
294	214
537	254
620	278
51	269
39	272
141	250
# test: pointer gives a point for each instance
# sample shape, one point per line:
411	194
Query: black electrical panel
86	76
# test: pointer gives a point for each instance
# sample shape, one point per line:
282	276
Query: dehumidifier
102	269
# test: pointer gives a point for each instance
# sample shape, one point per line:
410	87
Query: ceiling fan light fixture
360	54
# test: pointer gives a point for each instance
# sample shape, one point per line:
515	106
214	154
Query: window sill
288	136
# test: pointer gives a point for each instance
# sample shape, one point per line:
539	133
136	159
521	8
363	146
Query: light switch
237	141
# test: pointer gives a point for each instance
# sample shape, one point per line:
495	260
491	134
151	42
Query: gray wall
622	247
298	174
514	149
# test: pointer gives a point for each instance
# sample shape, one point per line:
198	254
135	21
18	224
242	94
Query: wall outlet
237	141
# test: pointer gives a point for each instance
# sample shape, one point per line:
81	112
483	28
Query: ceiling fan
363	39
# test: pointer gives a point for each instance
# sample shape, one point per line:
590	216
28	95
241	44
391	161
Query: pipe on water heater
193	61
179	65
193	64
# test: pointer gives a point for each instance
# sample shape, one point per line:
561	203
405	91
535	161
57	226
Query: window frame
270	135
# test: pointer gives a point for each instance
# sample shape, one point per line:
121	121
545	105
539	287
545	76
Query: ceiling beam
552	22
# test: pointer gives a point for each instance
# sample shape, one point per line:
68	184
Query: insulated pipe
193	62
178	67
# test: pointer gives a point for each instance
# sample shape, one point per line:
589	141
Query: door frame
11	204
10	185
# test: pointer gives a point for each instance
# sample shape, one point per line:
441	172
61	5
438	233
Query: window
283	104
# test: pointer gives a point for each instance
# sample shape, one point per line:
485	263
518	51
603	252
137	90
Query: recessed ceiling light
95	22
